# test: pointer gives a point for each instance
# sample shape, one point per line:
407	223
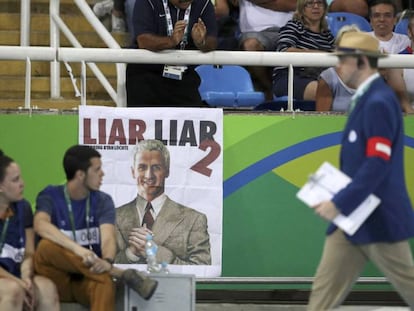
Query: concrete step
41	22
42	69
13	87
42	38
59	104
40	6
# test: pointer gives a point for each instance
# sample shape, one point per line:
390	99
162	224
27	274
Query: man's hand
100	265
137	238
198	33
178	32
327	210
88	256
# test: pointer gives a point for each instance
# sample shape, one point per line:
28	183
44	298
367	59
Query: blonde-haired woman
307	31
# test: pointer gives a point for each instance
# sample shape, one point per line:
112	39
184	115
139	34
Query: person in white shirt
383	17
259	22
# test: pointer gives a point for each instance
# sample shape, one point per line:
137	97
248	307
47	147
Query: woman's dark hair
4	163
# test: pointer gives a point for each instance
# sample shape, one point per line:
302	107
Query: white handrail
218	57
25	23
39	53
104	55
54	9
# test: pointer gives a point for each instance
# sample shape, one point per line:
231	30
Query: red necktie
148	219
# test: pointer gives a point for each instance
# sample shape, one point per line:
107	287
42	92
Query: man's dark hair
78	157
376	2
4	163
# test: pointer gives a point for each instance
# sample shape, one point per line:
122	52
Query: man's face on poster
150	173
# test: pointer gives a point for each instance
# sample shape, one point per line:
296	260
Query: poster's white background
184	185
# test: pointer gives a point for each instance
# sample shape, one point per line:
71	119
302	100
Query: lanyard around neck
170	26
72	218
3	234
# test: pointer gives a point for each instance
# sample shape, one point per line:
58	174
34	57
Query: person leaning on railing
164	25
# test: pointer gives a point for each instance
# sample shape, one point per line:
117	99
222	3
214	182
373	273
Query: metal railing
114	54
57	25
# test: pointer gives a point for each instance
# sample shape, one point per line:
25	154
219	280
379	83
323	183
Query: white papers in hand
322	186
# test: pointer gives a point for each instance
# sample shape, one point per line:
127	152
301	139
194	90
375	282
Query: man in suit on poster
179	231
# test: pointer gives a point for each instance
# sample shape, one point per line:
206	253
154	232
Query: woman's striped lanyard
170	26
72	218
3	234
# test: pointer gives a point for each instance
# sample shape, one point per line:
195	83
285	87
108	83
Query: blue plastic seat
402	26
336	20
227	86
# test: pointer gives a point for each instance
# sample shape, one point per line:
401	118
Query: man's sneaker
118	24
103	8
140	283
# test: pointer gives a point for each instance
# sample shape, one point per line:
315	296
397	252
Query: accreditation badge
174	72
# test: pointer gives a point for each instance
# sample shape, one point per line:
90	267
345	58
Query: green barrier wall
267	157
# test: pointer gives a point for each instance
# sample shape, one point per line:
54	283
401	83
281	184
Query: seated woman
332	93
307	32
20	289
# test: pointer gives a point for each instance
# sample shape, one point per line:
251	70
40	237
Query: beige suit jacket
179	231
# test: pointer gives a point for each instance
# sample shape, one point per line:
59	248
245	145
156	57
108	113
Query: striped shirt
295	35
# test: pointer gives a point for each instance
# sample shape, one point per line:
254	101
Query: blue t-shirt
15	240
52	201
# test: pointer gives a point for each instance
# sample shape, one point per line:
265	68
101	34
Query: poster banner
191	207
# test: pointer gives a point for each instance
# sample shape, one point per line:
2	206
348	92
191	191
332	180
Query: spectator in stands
306	32
332	93
383	19
114	8
20	288
382	14
76	223
174	24
259	22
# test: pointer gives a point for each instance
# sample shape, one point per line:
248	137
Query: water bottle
151	252
164	268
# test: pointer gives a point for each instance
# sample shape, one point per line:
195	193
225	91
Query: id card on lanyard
176	71
72	217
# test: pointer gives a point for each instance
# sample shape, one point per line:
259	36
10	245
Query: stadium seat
402	26
336	20
227	86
